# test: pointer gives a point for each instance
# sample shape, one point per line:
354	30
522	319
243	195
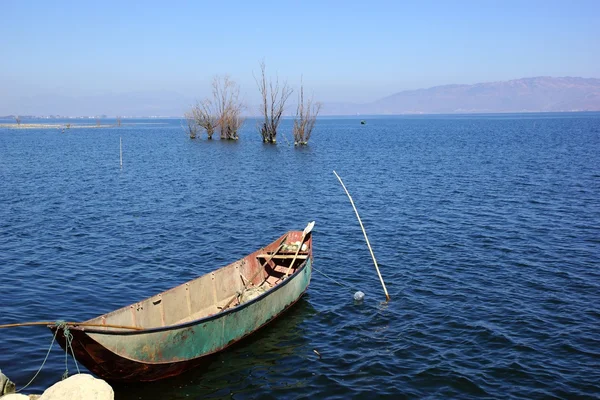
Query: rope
328	277
42	366
38	323
69	339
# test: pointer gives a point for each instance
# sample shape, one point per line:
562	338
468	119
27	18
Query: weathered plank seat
283	256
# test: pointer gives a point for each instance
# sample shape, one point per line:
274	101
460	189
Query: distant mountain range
539	94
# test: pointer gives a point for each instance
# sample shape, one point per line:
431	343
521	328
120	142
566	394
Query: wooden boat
176	330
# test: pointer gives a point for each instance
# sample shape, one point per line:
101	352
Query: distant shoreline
58	125
64	124
49	126
357	116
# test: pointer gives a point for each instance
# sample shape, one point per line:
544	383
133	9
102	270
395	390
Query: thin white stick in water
387	296
121	151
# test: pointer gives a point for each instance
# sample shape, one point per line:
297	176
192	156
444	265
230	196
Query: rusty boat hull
181	328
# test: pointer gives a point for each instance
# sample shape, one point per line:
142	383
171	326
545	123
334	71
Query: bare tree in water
226	94
306	117
206	117
223	112
274	96
192	127
18	119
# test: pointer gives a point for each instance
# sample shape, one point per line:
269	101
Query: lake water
486	230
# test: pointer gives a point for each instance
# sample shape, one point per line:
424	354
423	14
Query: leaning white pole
121	151
387	296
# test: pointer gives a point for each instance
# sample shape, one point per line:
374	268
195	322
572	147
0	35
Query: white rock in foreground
14	396
79	387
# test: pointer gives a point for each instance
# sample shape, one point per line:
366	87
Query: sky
345	51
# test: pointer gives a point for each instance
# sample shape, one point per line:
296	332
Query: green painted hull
200	338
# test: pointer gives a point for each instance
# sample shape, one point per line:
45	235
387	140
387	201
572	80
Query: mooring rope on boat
84	324
69	338
43	363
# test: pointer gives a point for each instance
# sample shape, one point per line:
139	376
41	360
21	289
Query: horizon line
358	116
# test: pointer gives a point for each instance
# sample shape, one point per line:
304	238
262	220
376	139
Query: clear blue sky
346	50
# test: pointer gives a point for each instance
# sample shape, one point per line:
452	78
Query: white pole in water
121	151
387	296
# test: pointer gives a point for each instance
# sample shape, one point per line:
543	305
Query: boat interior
216	291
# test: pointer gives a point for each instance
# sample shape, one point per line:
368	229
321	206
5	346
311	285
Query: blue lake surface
486	229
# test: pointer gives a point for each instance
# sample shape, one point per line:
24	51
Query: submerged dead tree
273	96
226	94
206	117
231	123
223	112
306	117
192	127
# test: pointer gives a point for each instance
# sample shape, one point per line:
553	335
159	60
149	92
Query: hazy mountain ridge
538	94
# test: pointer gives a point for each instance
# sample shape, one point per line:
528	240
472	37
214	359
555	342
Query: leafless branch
306	117
274	96
222	112
192	127
206	117
228	106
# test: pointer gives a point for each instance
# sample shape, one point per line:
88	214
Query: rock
15	396
6	386
79	387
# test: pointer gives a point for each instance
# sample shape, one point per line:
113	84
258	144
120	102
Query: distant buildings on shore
12	117
25	117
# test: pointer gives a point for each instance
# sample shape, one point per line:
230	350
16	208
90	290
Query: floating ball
359	296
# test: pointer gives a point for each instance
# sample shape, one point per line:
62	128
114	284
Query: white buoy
359	296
